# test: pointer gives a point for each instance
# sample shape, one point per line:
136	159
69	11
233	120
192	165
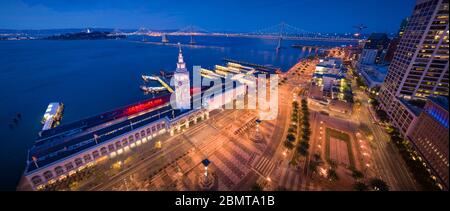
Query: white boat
52	116
153	89
149	78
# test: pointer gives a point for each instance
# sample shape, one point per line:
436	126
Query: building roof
441	101
328	75
49	150
76	137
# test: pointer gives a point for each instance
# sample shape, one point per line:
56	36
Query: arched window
136	136
48	175
124	142
118	145
104	151
111	147
149	131
130	139
158	126
78	162
87	158
69	166
59	170
142	133
36	180
96	154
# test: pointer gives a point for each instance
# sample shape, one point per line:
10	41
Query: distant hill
96	35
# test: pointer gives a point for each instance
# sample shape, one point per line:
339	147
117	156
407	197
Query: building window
69	166
130	139
96	154
36	180
118	145
87	158
124	142
111	147
136	136
149	132
48	175
142	133
104	151
78	162
59	170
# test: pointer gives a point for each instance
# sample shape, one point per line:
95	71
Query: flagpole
35	161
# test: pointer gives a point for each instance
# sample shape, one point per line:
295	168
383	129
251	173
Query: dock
160	80
258	67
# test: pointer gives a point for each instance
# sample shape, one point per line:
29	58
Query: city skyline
335	17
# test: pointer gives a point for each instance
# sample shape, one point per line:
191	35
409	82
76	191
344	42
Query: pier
258	67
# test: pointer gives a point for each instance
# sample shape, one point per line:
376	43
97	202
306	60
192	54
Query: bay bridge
281	31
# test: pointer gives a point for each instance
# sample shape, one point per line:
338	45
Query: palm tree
379	185
290	137
357	174
256	187
317	157
288	144
332	175
360	186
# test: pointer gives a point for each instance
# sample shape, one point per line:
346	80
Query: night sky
213	15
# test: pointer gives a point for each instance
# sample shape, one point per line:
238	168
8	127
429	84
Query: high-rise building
374	48
429	136
377	41
420	65
369	56
394	42
402	29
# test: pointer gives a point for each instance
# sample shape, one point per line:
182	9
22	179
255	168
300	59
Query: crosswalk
292	180
231	164
247	126
264	166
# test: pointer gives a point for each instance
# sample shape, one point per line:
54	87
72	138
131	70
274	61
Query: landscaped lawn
343	137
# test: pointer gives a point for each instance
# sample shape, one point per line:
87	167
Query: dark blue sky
212	15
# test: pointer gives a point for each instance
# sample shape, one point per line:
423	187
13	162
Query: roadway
173	147
390	165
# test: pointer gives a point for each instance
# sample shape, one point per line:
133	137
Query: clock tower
182	83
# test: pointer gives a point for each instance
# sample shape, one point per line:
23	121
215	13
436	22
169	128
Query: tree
378	184
357	174
382	115
290	137
360	186
332	175
302	150
313	166
317	158
292	130
288	144
306	133
304	144
256	187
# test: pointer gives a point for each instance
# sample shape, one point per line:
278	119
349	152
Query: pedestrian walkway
263	166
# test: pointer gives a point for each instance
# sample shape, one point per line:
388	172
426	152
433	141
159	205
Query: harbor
111	81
